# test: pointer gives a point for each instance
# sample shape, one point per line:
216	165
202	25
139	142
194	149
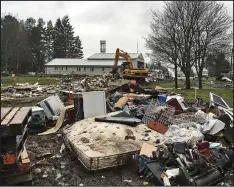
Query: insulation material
100	145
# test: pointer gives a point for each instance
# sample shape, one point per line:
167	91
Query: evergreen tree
77	48
23	51
27	46
49	34
38	45
9	36
30	23
41	45
59	40
68	36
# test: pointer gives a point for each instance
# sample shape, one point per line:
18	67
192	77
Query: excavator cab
124	65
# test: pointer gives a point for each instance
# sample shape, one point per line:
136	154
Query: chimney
103	46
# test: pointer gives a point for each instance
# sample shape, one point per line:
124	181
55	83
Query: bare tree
172	35
161	41
211	33
186	32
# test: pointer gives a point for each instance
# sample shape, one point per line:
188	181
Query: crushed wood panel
9	116
5	111
20	115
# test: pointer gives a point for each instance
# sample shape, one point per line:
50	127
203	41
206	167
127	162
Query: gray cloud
117	22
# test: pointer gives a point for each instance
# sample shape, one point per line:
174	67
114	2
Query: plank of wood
20	115
9	116
24	157
5	111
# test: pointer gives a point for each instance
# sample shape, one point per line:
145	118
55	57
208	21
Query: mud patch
64	169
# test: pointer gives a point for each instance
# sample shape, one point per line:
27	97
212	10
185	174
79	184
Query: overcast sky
119	23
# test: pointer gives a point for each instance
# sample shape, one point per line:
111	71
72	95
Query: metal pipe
179	161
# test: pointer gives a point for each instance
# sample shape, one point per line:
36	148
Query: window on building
66	68
103	69
61	68
55	68
91	69
78	68
84	68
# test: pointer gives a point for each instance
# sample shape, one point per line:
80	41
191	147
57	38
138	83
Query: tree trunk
6	63
187	80
200	80
176	81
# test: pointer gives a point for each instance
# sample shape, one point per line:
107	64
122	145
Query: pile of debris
80	84
172	142
26	90
88	83
189	142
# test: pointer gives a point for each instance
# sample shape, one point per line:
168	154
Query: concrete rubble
169	141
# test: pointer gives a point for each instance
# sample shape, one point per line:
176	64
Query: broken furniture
15	164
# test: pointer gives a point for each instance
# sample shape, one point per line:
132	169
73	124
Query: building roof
79	62
111	56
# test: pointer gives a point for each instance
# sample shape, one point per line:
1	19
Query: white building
171	70
97	64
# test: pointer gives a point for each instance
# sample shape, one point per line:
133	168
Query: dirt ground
52	168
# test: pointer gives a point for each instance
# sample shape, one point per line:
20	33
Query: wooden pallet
14	120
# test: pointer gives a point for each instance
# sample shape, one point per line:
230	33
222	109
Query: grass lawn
181	83
227	95
9	81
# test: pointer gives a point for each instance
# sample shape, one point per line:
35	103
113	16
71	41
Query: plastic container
162	98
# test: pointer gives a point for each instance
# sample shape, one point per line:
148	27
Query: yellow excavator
127	70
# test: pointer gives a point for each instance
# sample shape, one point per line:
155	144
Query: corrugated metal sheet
110	56
80	62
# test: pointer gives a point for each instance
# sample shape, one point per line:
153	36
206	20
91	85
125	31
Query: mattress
100	145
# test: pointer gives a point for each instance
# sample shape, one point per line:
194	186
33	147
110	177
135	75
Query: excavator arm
125	56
